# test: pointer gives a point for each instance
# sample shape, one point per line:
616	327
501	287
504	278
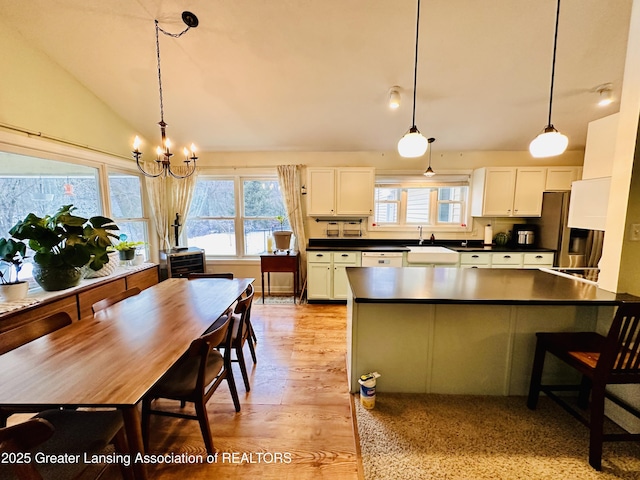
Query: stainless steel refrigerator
553	231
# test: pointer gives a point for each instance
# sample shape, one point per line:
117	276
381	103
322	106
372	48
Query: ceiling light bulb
413	144
394	98
549	143
606	97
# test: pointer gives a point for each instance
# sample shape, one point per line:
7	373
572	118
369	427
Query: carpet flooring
465	437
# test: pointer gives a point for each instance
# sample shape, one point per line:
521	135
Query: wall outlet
635	232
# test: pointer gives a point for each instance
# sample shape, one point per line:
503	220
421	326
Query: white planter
12	292
107	269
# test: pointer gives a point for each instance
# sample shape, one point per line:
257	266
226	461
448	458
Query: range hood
588	203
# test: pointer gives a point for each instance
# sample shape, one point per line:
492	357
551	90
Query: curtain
289	178
169	196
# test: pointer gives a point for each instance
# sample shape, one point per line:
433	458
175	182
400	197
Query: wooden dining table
115	358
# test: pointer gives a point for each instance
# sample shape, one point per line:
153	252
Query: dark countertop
474	285
395	245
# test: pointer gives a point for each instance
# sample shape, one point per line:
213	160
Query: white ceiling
314	75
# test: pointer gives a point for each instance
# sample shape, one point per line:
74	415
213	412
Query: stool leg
536	376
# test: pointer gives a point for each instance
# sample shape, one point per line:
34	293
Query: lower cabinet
326	274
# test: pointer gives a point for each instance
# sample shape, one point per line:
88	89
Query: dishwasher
381	259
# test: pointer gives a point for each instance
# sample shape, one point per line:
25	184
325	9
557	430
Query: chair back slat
118	297
17	337
621	354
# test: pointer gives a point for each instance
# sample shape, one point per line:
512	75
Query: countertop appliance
381	259
524	235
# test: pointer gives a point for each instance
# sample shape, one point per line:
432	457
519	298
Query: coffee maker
525	235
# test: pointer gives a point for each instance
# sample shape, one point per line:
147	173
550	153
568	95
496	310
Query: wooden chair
228	276
602	361
242	329
57	432
194	378
21	335
107	302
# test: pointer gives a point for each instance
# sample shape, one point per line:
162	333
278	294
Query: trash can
368	389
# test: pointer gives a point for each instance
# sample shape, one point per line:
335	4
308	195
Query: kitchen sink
431	254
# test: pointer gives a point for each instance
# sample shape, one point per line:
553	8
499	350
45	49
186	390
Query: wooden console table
280	262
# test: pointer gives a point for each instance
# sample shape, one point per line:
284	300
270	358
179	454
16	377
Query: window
409	202
125	193
234	216
36	185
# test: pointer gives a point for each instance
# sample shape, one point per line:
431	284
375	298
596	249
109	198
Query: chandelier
163	152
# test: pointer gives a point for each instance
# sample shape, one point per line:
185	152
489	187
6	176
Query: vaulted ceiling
314	75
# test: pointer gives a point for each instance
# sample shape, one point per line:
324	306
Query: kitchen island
462	331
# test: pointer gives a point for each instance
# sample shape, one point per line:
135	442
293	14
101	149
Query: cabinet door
319	281
559	178
499	188
321	191
527	200
340	281
354	191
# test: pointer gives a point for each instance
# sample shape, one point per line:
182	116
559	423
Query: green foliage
12	253
64	239
126	245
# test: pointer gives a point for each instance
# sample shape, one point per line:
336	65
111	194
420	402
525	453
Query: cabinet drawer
475	258
500	259
319	257
345	257
143	279
542	259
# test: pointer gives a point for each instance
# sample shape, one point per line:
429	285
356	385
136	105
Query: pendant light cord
553	63
415	68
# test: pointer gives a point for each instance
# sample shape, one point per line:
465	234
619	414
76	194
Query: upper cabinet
507	191
340	191
560	178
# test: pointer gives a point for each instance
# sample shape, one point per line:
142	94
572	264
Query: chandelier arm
180	177
415	68
146	174
553	62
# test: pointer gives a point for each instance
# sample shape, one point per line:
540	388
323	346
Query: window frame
406	182
239	219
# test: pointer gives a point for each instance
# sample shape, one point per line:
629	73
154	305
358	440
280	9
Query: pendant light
429	171
413	144
550	142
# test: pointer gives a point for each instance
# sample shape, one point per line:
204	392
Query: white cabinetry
506	260
508	191
326	274
559	178
340	191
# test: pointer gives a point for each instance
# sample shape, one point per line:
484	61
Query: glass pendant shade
413	144
549	143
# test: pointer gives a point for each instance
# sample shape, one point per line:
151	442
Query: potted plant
282	237
64	245
12	253
126	249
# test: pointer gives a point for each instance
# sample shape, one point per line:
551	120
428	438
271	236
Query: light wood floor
299	405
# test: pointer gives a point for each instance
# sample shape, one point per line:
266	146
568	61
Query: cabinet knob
538	256
344	255
507	256
475	256
319	255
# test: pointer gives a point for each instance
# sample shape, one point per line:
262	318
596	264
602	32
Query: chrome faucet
420	239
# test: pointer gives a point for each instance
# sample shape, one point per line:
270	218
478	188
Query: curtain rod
31	133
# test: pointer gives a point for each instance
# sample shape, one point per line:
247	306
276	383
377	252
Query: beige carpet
464	437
